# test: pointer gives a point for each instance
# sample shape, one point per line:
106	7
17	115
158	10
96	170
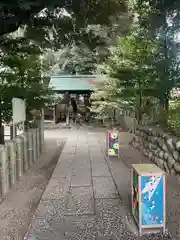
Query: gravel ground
20	204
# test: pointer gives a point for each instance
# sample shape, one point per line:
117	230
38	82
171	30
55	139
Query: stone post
42	129
11	153
4	171
41	134
38	142
54	114
25	151
30	147
34	144
19	159
66	97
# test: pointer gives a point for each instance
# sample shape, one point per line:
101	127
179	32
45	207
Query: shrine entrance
75	92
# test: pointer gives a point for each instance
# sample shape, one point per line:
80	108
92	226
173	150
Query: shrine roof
74	83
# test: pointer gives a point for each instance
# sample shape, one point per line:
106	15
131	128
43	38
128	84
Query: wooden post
164	200
140	208
131	182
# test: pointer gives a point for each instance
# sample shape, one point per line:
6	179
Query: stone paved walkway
88	196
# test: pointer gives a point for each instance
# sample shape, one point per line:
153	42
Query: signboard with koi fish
148	196
152	204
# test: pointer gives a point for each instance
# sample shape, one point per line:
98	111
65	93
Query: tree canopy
143	68
14	13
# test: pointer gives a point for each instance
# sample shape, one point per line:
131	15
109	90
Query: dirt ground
18	207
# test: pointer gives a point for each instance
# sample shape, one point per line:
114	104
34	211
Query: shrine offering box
148	197
112	143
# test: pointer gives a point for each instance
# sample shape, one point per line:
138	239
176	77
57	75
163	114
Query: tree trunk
114	116
139	108
166	71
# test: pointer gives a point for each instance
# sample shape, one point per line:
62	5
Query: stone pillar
20	155
42	128
4	171
30	147
67	107
34	144
41	134
25	151
38	142
11	153
54	114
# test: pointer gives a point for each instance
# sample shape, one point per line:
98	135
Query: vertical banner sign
152	200
19	113
113	143
18	110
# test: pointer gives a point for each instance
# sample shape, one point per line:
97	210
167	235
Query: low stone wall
16	157
128	123
161	148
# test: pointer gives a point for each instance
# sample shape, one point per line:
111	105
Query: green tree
146	67
162	21
21	77
105	99
87	47
132	64
16	13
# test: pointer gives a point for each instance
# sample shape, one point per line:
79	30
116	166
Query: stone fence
17	156
159	147
127	122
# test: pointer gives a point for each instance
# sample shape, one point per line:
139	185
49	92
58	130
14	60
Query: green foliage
174	116
104	99
21	78
174	123
145	63
131	66
78	59
15	13
86	48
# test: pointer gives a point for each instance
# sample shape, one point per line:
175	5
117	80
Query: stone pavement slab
81	179
80	201
48	221
80	228
100	169
58	189
104	187
112	215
